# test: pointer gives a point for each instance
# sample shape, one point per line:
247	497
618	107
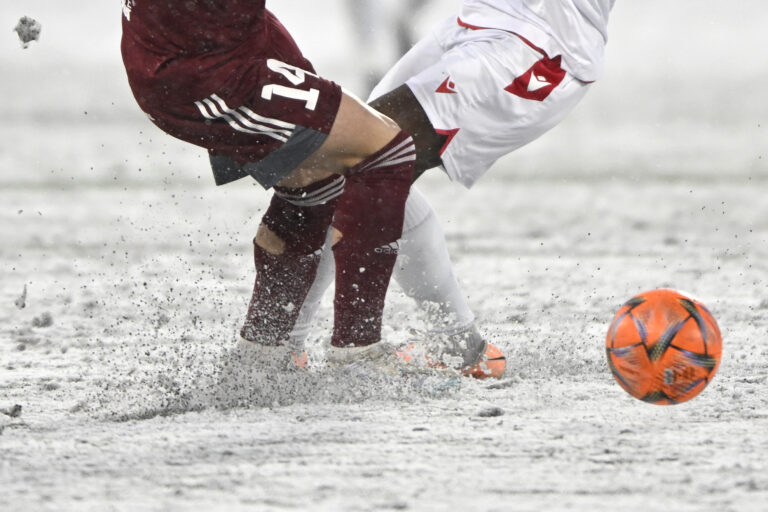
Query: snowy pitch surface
137	273
121	406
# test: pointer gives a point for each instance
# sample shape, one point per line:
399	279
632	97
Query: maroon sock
369	216
300	218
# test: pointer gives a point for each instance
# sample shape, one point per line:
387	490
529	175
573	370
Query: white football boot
250	354
380	352
458	348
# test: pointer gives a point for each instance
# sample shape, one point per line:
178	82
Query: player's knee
401	105
269	241
390	125
358	132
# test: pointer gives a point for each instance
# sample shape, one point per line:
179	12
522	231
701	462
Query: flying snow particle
44	320
28	30
13	412
490	412
21	301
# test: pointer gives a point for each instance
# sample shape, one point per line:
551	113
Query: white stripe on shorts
238	122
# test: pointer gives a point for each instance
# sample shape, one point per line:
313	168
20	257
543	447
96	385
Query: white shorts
489	91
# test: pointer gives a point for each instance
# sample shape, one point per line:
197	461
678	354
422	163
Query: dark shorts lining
278	164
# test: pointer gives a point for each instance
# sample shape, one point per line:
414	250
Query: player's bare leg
377	159
402	106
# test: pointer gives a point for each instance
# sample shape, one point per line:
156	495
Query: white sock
326	272
423	270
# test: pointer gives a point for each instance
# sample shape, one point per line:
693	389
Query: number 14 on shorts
295	76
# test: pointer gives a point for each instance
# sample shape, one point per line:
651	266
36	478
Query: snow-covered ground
137	271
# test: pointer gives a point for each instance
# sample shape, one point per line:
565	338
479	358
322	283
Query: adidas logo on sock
391	248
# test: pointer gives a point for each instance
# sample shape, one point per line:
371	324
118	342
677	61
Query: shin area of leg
292	234
369	217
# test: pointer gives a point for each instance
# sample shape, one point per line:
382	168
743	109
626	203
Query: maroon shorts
258	108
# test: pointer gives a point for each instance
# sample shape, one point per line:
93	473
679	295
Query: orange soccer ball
663	347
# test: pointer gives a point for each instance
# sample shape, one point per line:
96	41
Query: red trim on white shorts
475	27
449	135
467	25
533	46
